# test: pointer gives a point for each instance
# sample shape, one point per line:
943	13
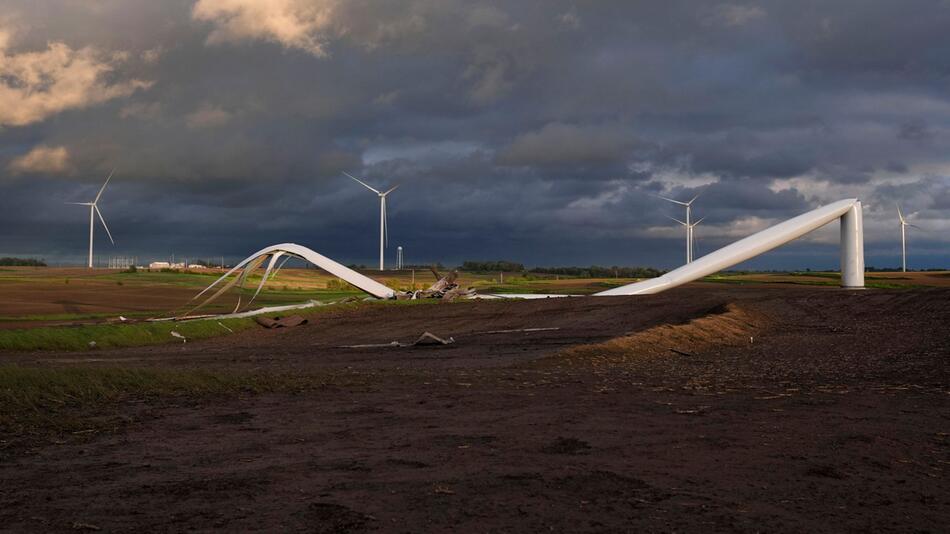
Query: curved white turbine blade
281	266
104	186
270	266
363	183
99	213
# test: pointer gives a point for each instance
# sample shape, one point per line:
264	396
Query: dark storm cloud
540	132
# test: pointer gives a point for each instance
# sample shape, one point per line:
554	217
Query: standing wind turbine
689	226
691	253
383	225
904	225
94	210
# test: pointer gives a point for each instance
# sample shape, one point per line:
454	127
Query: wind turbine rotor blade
79	203
695	197
673	201
699	221
900	215
914	226
104	186
675	219
104	225
391	190
363	183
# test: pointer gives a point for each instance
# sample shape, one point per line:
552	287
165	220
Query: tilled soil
832	416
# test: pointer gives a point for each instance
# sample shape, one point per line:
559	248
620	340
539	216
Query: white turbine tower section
904	225
689	226
93	211
852	250
383	224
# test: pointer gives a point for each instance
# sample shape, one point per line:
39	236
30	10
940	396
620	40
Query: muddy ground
779	409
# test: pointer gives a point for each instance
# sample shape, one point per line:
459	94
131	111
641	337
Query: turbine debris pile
445	288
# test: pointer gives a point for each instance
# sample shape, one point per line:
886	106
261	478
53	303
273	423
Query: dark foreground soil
785	409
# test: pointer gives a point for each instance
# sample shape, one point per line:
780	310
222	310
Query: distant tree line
424	267
22	262
492	267
596	271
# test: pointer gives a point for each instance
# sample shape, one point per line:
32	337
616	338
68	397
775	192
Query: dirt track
834	417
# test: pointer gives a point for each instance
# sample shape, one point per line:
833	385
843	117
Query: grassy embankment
77	338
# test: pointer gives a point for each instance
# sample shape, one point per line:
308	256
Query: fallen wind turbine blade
362	182
104	225
270	266
104	186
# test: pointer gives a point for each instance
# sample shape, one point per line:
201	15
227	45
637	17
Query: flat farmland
712	407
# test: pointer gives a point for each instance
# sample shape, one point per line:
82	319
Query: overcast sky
537	131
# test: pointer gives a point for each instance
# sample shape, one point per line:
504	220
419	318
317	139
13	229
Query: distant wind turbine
383	224
904	225
93	211
692	237
689	226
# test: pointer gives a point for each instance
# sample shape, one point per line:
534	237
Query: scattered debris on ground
281	322
517	331
426	339
445	288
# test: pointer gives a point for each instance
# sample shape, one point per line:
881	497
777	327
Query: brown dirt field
90	297
927	279
835	416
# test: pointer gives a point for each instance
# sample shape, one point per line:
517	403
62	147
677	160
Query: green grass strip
115	335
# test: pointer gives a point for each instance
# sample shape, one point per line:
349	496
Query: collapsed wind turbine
904	225
94	210
689	225
383	225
